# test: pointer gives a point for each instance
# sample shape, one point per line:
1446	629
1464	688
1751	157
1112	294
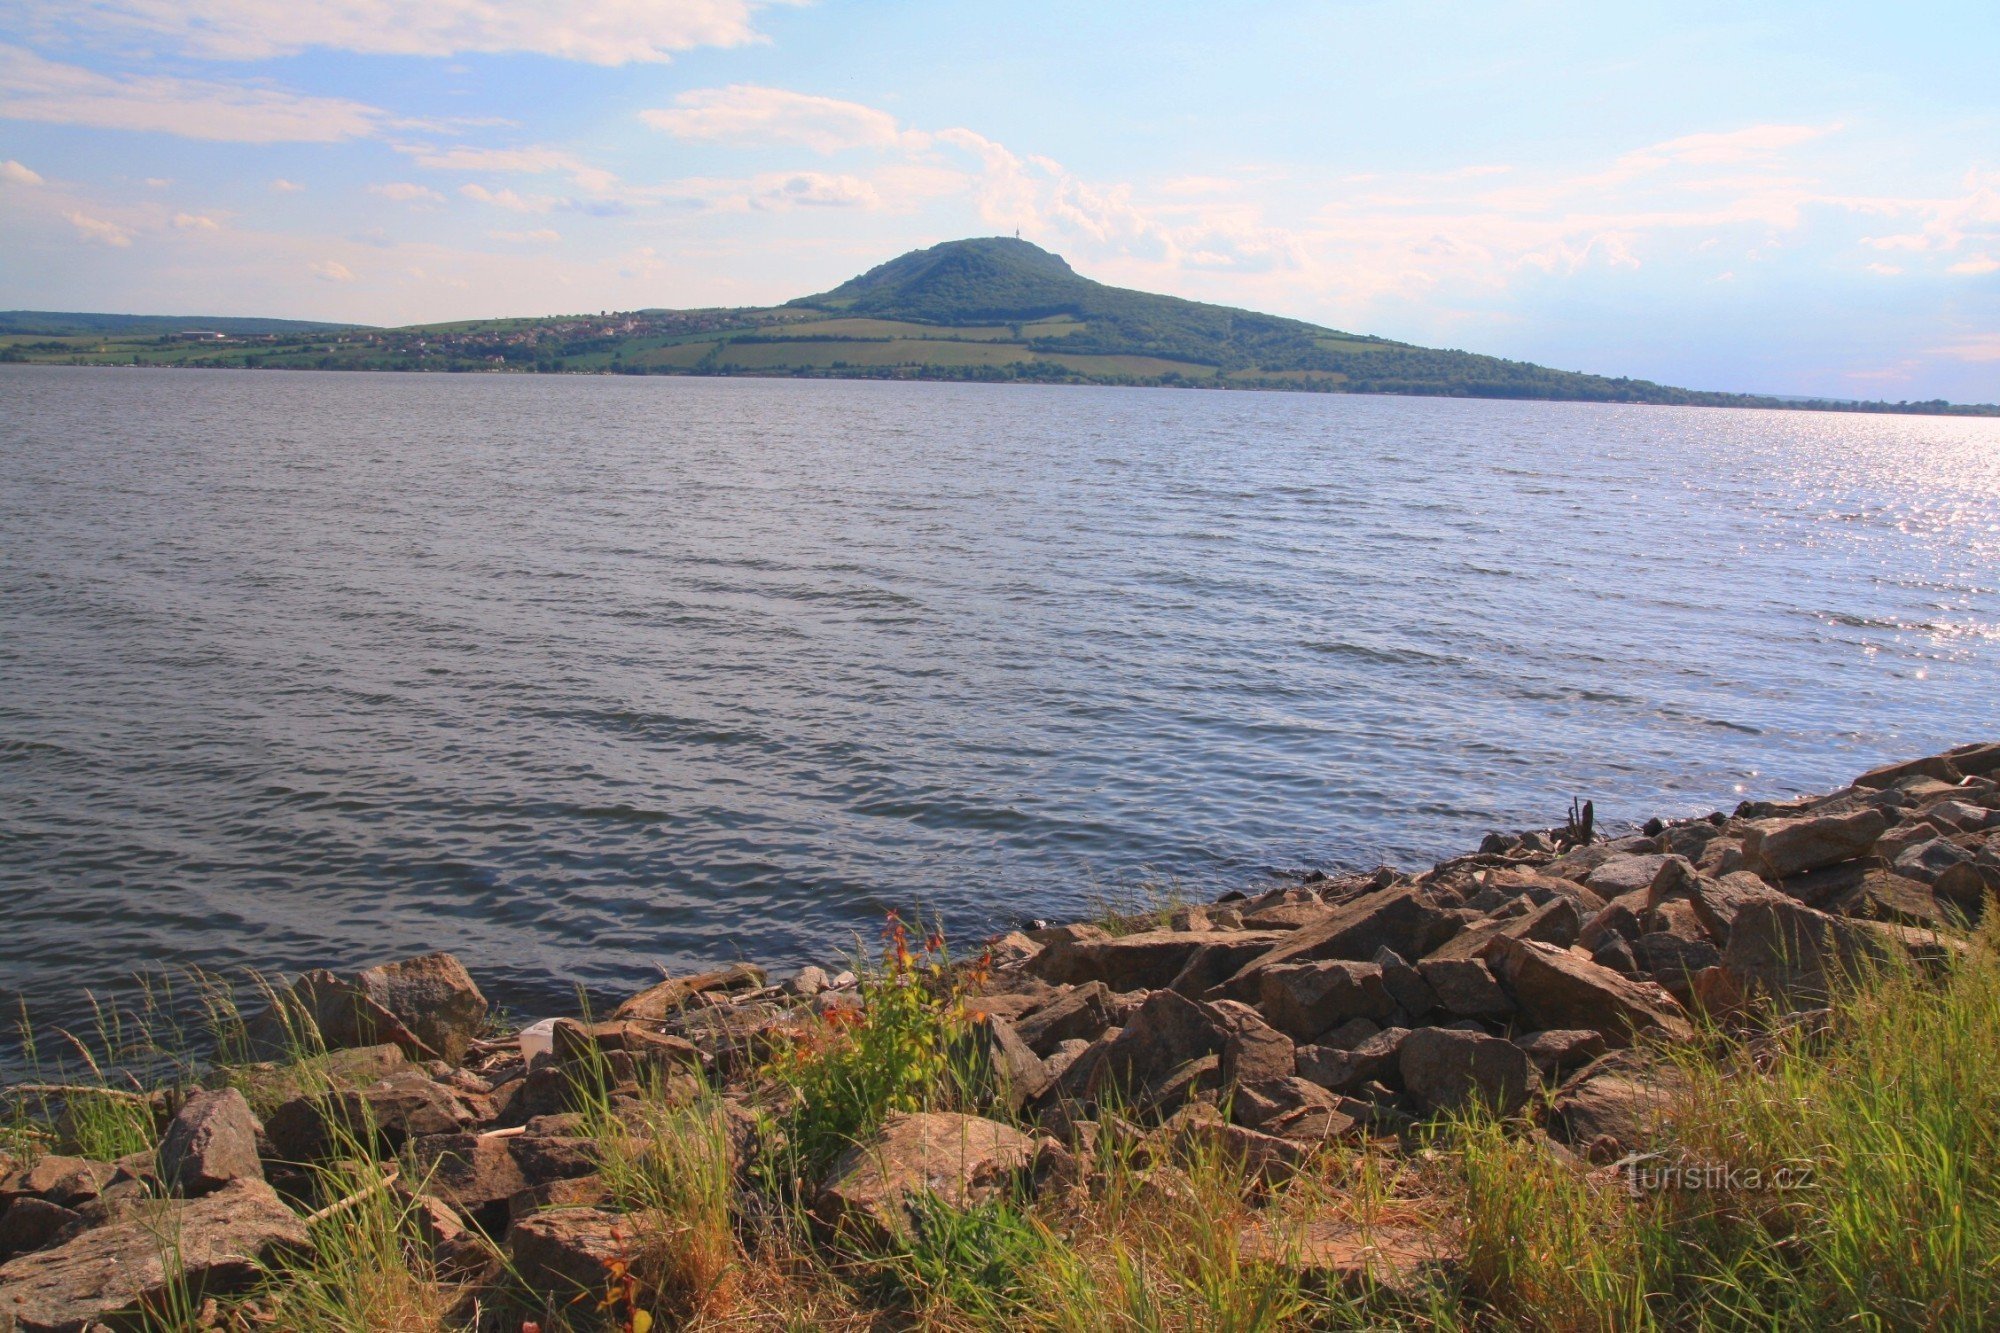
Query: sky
1766	197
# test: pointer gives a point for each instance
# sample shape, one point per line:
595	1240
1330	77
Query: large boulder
1448	1070
1147	960
1344	1071
117	1272
31	1223
212	1141
1798	957
957	1159
1556	922
565	1254
1612	1108
1303	1000
1553	988
1397	918
1938	766
1252	1050
433	996
1076	1013
1777	848
68	1181
477	1172
379	1117
1166	1032
322	1011
1465	988
1717	901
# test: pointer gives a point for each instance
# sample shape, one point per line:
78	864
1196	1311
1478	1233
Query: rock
210	1143
1981	759
590	1191
657	1002
1166	1033
566	1254
31	1223
958	1159
1303	1000
1620	1110
458	1253
1620	875
1448	1071
268	1086
1555	922
1002	1069
1928	860
322	1011
1344	1071
1252	1051
68	1181
1269	1158
1406	986
1939	767
1559	1050
1217	959
1673	960
115	1272
1615	921
1011	951
806	982
1555	989
1617	954
1796	956
474	1173
1883	895
1076	1013
432	996
1395	918
1465	989
1257	1105
379	1117
1717	901
1777	848
1964	888
1327	1257
1148	960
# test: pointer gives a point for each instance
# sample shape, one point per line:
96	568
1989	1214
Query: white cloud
509	199
522	161
1977	266
776	191
157	182
195	222
97	229
744	113
330	270
32	88
1886	270
283	186
599	32
541	236
14	173
407	192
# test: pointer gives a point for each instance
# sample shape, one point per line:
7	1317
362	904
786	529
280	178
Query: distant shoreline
1753	402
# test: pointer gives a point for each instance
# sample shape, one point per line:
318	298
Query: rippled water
576	676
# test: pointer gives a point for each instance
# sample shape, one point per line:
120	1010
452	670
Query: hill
990	308
69	324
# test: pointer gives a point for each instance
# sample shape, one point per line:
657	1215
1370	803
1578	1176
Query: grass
1886	1114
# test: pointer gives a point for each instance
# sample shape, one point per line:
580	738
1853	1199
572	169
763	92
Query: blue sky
1777	197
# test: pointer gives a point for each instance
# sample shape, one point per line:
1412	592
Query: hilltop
988	308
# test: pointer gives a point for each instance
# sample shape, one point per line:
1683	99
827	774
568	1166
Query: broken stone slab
1465	988
1345	1071
1397	918
1620	875
1797	957
1673	960
1778	848
1252	1051
667	997
1884	895
957	1159
1001	1069
433	996
117	1272
1449	1071
68	1181
1716	902
380	1117
566	1254
30	1223
1553	988
1302	1000
1075	1013
1218	958
1560	1050
476	1172
322	1011
212	1141
1939	767
1614	1107
1146	960
1554	922
1165	1033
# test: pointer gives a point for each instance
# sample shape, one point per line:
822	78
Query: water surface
581	676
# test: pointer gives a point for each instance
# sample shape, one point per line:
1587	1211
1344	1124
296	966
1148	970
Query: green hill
70	324
991	308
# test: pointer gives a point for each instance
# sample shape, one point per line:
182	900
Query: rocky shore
1544	980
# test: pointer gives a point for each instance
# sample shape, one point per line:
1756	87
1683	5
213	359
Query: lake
580	677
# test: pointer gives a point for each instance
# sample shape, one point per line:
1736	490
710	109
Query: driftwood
72	1090
339	1206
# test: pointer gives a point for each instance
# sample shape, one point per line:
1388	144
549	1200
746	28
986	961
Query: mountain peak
982	277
